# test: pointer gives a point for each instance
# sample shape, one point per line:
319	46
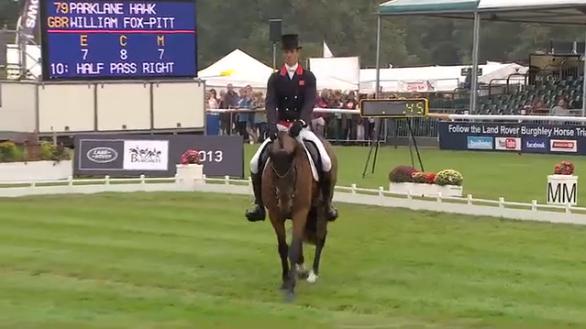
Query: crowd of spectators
249	120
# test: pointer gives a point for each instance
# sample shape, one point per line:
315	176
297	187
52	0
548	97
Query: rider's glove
297	127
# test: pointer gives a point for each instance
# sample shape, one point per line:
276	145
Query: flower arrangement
449	177
402	174
423	177
564	168
405	174
190	156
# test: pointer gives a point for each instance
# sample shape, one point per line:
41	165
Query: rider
291	96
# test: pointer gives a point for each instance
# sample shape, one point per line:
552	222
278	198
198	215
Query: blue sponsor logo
480	143
535	144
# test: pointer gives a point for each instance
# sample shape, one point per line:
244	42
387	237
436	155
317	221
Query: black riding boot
327	190
256	213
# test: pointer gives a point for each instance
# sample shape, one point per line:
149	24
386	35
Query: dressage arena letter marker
562	189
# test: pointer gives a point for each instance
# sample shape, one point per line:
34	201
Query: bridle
292	170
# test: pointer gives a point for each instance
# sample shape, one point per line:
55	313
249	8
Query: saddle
313	154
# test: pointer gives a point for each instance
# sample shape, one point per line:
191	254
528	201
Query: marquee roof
572	12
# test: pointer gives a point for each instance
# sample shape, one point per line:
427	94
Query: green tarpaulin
404	7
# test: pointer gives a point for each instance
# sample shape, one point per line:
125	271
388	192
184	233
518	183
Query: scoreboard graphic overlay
126	39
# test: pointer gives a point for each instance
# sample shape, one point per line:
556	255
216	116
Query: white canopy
341	73
431	78
237	68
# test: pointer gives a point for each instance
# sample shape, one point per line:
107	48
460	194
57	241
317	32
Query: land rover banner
155	156
513	137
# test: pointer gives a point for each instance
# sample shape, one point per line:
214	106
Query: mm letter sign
118	39
562	189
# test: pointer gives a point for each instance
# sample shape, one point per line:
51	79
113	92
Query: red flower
190	157
564	168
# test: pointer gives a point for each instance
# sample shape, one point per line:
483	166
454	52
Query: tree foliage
349	28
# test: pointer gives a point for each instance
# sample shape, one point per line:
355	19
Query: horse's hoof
283	286
312	277
289	296
303	275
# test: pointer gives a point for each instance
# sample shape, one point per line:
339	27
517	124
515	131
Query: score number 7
161	53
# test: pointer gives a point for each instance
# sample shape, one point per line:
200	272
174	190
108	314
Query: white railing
345	194
317	110
477	117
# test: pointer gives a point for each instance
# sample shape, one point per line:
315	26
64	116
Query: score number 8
123	54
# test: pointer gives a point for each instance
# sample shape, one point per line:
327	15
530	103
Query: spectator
538	106
213	102
561	109
245	104
231	98
225	118
260	118
318	123
350	103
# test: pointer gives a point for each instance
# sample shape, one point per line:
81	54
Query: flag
327	51
27	21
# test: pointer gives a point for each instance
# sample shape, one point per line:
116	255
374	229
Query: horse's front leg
299	220
322	231
302	272
283	248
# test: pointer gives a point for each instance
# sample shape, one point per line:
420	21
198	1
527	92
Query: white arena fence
351	195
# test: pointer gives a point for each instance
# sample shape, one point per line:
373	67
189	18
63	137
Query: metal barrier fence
341	126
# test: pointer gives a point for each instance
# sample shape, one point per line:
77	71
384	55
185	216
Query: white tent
504	72
431	78
341	73
237	68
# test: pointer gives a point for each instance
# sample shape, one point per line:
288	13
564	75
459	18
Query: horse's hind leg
322	225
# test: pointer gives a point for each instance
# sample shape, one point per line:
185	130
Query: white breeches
305	134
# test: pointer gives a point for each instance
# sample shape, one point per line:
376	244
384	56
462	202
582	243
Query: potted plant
564	168
190	168
34	162
410	181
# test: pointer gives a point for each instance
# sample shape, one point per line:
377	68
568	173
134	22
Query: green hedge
10	152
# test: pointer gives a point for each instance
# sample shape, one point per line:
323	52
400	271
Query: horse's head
282	154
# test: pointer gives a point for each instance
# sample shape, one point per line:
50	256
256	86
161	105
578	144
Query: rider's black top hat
290	42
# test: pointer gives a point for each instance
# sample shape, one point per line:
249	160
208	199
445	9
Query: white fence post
469	199
227	180
353	188
534	205
439	197
142	179
381	195
107	180
501	202
70	181
568	208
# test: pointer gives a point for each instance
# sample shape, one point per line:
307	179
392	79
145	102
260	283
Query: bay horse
290	192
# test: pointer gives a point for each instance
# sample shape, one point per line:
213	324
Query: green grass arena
190	260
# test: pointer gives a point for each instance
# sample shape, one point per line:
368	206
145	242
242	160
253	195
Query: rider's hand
296	128
273	132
